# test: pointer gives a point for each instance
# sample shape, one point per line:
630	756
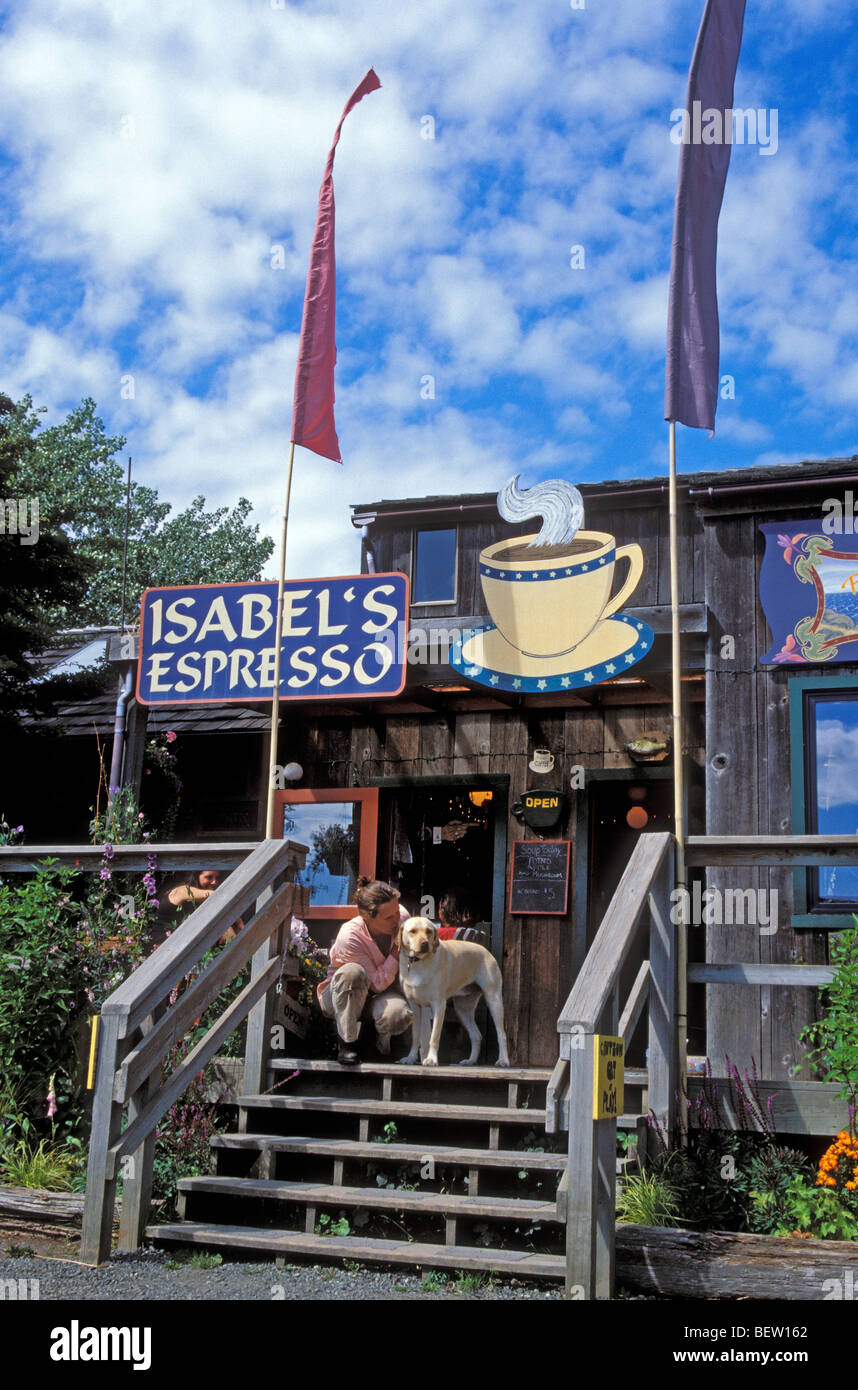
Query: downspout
370	557
125	692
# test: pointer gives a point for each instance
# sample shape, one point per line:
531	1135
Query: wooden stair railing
138	1030
593	1007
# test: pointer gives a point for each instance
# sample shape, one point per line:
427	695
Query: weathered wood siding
538	951
748	791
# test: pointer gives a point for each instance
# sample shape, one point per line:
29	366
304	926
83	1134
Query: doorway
443	833
621	805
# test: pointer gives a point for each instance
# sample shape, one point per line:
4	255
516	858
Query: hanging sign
540	808
539	877
554	622
343	638
608	1076
809	592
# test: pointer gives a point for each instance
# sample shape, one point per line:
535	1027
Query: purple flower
108	851
105	874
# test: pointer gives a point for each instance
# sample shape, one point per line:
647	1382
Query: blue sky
153	159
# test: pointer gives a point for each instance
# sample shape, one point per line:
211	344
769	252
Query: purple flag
691	381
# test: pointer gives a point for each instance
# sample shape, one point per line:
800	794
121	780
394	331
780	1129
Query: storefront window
339	828
434	567
824	715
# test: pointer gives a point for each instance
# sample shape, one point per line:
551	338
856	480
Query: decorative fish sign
648	749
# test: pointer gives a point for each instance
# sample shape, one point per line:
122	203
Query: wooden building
445	742
424	786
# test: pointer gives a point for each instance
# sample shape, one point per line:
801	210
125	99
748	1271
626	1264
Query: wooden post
106	1125
581	1197
258	1045
663	1059
137	1186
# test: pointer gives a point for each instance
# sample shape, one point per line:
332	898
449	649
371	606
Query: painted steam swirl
558	503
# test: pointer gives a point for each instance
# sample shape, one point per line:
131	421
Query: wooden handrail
599	974
138	1030
221	854
134	999
593	1008
709	851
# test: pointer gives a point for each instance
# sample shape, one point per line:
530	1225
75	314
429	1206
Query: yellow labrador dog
433	971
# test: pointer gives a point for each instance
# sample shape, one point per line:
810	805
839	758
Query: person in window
458	918
201	886
363	978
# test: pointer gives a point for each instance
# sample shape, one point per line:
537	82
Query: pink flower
52	1100
171	736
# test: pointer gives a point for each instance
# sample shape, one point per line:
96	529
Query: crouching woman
363	979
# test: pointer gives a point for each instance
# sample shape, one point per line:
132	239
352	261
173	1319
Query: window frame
368	797
434	602
802	690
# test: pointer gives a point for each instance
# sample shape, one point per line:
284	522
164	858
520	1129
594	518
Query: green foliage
804	1209
328	1226
189	1258
648	1199
389	1135
36	580
67	939
433	1282
72	467
43	977
834	1037
182	1148
771	1174
203	1260
470	1282
46	1167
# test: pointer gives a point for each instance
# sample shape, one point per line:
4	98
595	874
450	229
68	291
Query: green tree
72	468
39	573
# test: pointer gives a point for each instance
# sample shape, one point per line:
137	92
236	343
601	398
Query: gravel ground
147	1276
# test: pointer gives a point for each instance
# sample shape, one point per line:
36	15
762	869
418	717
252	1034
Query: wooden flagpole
678	798
278	642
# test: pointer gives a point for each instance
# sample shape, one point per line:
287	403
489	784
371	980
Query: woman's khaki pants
349	999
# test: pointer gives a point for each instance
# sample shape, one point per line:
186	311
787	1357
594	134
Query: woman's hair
371	894
457	908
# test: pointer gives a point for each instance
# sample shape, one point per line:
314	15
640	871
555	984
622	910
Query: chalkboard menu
539	877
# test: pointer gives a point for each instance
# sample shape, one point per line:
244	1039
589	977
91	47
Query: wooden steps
452	1161
522	1264
324	1194
450	1073
393	1109
404	1153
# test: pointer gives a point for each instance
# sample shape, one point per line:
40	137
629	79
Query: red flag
693	337
313	405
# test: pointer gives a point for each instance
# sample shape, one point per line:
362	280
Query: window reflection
435	567
835	746
331	831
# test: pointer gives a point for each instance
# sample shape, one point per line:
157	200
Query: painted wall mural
554	624
809	593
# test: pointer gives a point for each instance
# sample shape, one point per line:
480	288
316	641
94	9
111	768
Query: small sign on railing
608	1076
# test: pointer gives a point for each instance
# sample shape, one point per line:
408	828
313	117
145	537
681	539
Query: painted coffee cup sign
555	624
342	638
809	593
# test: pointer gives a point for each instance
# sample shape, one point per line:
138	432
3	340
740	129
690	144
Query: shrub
46	1167
834	1054
648	1199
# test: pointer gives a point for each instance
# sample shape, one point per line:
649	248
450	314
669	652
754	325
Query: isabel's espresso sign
205	643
